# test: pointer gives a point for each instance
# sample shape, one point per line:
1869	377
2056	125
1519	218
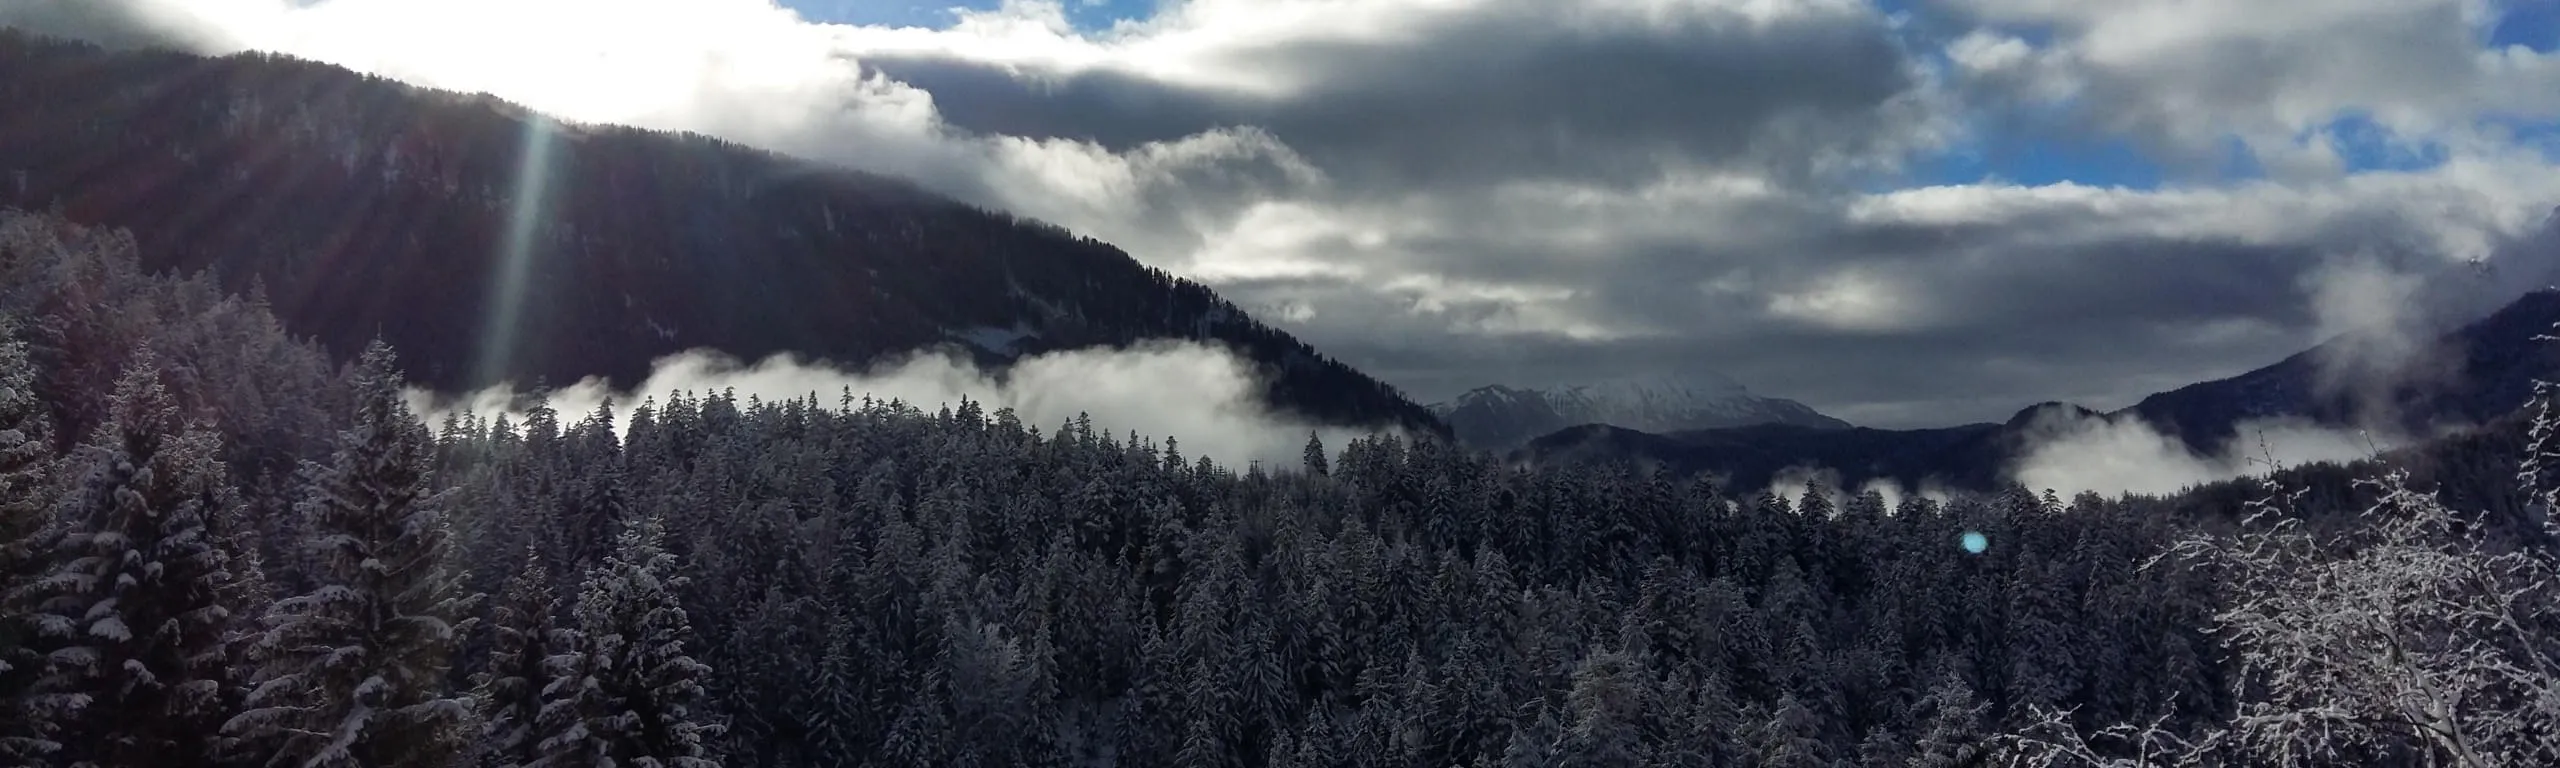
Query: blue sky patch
2540	136
2534	24
2367	146
2038	160
937	13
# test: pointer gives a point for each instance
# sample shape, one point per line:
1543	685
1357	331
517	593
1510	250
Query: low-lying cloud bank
1790	484
2112	456
1201	395
2125	454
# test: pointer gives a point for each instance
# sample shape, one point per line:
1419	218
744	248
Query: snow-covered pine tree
632	686
509	693
353	671
837	732
246	596
1535	741
560	727
2539	474
1948	728
26	468
134	600
1608	703
1792	736
594	498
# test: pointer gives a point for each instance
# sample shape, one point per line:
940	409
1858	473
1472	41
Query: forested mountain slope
2471	375
699	581
367	207
1974	457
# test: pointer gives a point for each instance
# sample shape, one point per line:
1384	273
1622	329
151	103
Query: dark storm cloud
1488	97
1999	316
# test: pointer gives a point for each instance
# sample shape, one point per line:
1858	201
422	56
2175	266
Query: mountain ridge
367	207
1499	418
2471	374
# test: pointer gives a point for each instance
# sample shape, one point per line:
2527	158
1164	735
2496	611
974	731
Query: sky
1901	212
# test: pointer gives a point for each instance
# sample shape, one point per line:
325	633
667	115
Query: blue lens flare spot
1975	542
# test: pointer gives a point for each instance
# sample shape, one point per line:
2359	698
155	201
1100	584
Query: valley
848	387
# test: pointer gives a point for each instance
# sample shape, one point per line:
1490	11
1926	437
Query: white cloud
2187	75
2371	306
1790	484
1202	396
2070	454
1851	300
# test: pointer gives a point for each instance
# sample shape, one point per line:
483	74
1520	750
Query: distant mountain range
1500	418
363	206
2473	375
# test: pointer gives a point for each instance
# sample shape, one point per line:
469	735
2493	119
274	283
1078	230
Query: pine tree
246	596
353	671
561	728
595	497
134	601
836	706
1792	736
629	685
510	691
26	468
1537	743
1949	731
1608	703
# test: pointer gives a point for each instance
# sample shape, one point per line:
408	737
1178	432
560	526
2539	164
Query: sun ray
498	336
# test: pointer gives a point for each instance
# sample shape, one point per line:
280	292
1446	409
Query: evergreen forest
221	547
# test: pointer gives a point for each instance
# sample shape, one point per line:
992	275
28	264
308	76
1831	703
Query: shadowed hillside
488	243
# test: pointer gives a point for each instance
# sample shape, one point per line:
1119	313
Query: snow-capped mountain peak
1498	417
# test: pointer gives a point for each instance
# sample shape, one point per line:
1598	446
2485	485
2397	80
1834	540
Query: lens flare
515	255
1974	542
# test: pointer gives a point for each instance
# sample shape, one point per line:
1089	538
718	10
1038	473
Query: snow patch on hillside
1499	416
